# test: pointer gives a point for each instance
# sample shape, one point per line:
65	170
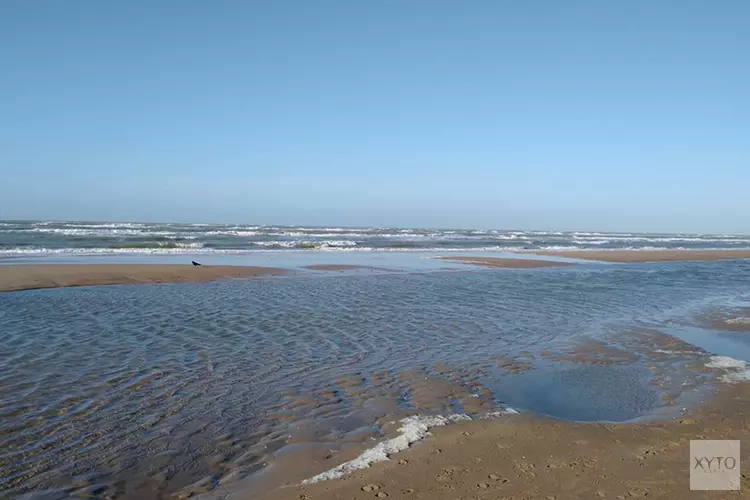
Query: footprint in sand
526	468
445	475
497	478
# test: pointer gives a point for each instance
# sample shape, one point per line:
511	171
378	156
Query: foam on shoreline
735	370
413	429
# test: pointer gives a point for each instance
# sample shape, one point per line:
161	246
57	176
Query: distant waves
50	237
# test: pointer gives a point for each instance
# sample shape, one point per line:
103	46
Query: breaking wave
43	237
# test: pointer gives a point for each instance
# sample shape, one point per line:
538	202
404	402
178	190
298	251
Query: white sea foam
289	247
543	238
179	248
738	321
413	429
333	244
106	225
497	414
230	232
735	370
666	351
188	245
319	244
71	231
329	234
283	244
604	239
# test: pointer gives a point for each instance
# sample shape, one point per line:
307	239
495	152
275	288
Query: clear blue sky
610	115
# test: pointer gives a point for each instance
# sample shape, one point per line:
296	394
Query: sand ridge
647	255
34	276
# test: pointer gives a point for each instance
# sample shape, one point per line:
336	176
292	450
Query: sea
40	238
232	388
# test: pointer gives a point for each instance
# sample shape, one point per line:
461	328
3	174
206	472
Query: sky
604	115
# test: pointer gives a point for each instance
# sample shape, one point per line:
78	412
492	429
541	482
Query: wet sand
30	276
507	263
530	457
514	457
648	255
735	319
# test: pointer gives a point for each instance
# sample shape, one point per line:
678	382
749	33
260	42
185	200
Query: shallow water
142	391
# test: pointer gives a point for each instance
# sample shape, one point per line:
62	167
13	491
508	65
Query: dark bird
196	264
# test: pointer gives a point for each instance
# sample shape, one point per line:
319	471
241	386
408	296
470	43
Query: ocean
40	238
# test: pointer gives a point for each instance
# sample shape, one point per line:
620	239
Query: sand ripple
143	391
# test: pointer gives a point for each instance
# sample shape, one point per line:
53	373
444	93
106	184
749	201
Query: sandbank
648	255
34	276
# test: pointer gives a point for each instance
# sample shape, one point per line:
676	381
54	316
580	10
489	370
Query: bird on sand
196	264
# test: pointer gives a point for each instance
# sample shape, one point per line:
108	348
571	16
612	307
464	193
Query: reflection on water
142	391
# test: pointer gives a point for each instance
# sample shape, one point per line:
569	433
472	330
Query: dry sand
32	276
509	263
530	457
648	255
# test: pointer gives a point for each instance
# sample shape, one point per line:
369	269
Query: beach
30	276
519	456
498	375
531	457
663	255
350	250
47	275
